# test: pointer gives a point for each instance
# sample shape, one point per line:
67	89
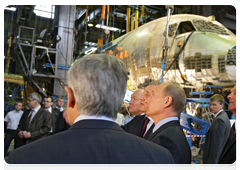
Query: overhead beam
91	16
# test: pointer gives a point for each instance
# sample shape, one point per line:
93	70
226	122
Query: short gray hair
36	96
178	95
99	84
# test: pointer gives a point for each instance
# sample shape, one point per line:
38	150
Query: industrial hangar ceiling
90	33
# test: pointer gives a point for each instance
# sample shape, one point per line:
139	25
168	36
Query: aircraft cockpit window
209	26
172	29
185	27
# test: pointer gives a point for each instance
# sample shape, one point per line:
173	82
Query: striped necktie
144	126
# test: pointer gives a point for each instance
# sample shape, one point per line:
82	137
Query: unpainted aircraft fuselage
199	52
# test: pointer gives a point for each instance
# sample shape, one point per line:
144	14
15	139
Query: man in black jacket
165	107
36	122
48	102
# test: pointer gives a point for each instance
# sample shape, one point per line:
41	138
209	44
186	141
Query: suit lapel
36	115
149	132
163	127
215	120
235	137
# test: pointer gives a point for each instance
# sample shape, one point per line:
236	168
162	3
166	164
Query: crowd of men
35	122
152	135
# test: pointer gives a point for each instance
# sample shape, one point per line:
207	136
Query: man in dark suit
94	98
48	102
34	123
228	155
136	126
218	132
62	123
164	107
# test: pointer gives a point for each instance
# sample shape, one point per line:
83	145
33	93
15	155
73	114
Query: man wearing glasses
34	123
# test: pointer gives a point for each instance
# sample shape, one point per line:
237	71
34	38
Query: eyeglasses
30	100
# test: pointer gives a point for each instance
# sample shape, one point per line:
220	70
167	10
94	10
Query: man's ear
168	101
72	112
71	98
222	106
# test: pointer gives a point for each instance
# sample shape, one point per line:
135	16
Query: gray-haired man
36	122
96	88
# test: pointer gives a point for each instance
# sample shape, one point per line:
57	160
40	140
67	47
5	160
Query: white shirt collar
37	108
61	108
84	117
49	109
164	121
215	115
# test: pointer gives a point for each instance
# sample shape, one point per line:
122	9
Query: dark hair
49	97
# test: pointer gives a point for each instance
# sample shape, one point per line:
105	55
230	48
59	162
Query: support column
64	55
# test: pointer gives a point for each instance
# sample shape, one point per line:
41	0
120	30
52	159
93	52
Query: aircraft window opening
185	27
172	29
221	64
209	26
198	62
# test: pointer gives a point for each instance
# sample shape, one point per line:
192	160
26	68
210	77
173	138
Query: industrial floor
11	147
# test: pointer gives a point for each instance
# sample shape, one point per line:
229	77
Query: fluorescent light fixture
46	11
91	50
10	8
90	24
105	27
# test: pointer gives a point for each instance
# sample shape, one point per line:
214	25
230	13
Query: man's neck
159	117
36	106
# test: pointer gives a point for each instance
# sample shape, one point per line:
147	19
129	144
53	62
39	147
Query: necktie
28	119
232	132
144	126
149	132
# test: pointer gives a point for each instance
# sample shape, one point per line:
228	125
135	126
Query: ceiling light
34	71
105	27
91	50
10	8
90	24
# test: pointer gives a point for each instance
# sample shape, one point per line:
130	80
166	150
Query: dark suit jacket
91	142
55	114
171	136
39	127
135	125
229	153
61	124
216	138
